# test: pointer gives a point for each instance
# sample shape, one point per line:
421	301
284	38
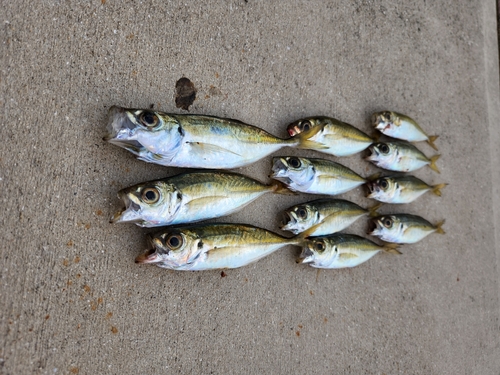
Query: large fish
402	127
341	250
403	228
192	141
332	136
323	216
189	197
400	156
212	246
400	189
315	176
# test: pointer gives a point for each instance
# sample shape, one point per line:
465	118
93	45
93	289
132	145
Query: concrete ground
72	300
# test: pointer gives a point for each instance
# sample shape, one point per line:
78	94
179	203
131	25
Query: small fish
333	137
189	197
341	250
402	127
400	156
403	228
212	246
400	189
323	216
192	141
314	176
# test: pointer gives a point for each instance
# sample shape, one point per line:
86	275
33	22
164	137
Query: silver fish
212	246
400	189
189	197
400	156
315	176
192	141
323	216
333	137
402	127
341	250
403	228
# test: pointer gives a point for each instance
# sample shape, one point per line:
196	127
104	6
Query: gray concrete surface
72	301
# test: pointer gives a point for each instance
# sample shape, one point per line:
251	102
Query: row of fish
210	142
195	141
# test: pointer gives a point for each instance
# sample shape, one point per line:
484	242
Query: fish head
293	171
382	152
144	131
172	249
304	125
383	188
385	120
149	204
387	227
299	218
318	252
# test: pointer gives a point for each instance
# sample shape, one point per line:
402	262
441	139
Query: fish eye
150	195
305	125
302	212
294	162
383	148
174	241
383	184
149	119
319	246
387	222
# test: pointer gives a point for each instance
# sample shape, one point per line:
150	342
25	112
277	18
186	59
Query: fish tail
431	140
436	189
372	211
305	143
373	177
391	248
438	227
375	136
280	188
433	163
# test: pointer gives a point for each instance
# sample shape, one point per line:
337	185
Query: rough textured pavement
72	300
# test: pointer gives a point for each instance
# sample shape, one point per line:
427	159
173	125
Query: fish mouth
372	189
293	129
289	220
151	255
371	153
377	121
121	130
129	213
307	256
374	227
279	168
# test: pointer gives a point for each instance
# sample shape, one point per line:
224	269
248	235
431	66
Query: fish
212	246
190	197
333	137
400	156
400	189
192	141
341	250
314	176
323	216
402	127
403	228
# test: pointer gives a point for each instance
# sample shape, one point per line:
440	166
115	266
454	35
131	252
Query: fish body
340	250
403	228
212	246
189	197
191	141
401	126
333	137
322	216
400	189
314	176
400	156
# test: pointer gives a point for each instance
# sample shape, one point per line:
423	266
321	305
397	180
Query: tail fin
373	177
438	227
307	144
391	248
372	211
436	189
431	140
433	163
280	188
